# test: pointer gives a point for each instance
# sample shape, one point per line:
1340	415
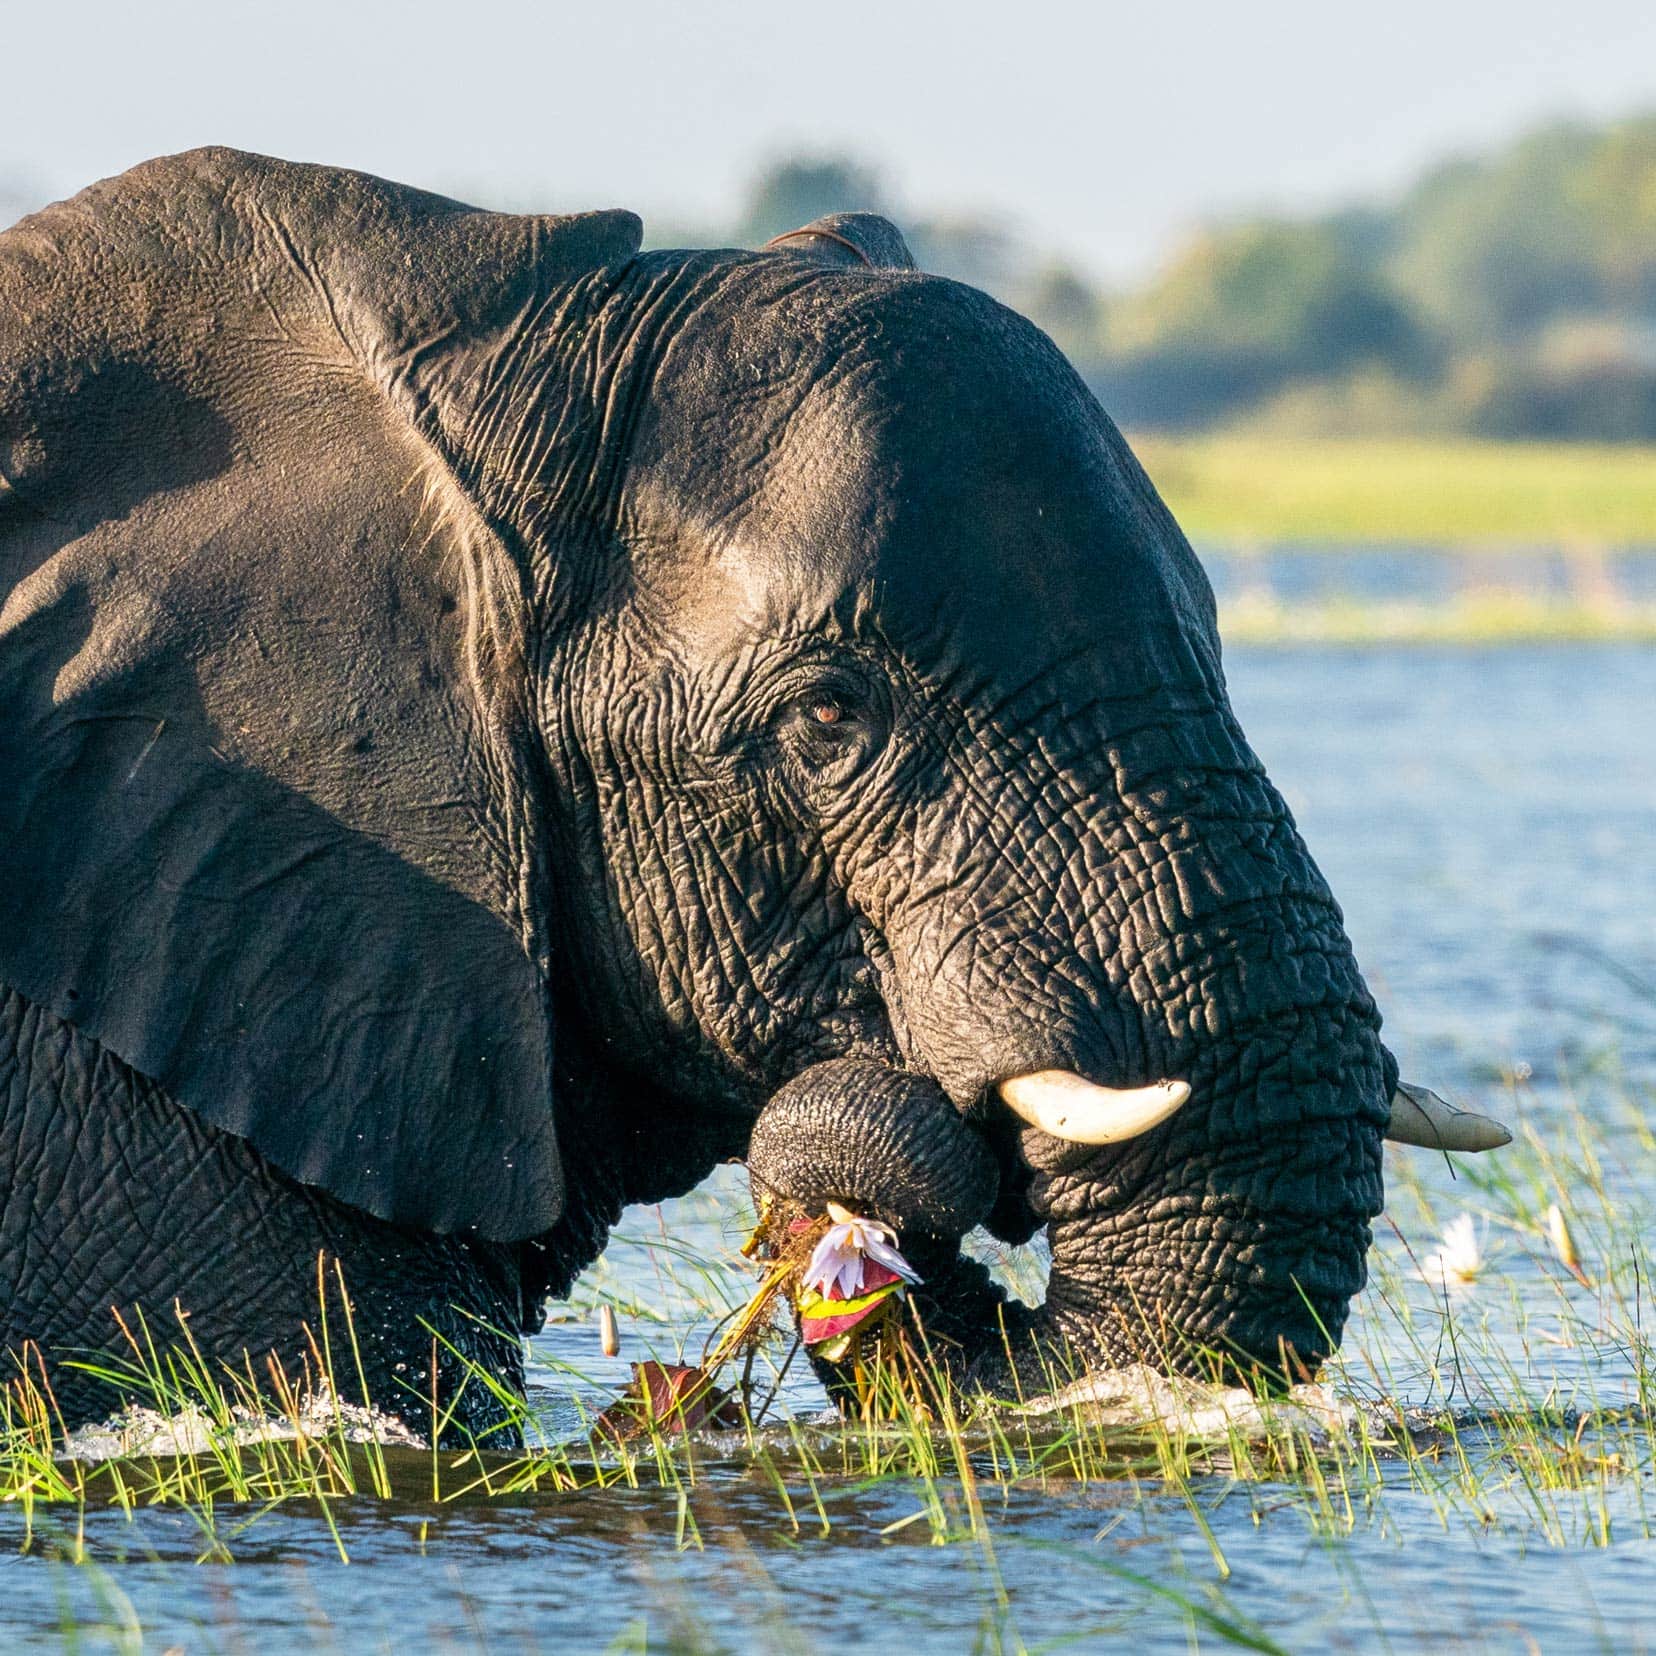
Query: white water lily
1459	1261
837	1260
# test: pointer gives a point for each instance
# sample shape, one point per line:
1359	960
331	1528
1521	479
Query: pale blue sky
1105	130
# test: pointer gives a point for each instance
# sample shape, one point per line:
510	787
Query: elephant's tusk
1419	1116
1062	1104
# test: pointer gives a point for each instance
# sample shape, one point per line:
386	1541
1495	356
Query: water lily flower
1459	1261
837	1265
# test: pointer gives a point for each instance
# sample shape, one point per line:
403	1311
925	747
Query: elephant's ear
265	671
851	239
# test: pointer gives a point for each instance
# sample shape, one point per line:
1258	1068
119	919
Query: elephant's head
904	736
444	625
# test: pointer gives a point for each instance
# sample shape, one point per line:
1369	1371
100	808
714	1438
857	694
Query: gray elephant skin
486	710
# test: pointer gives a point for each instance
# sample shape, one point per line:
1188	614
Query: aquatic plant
1452	1409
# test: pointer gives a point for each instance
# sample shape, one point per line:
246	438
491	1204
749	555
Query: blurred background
1367	283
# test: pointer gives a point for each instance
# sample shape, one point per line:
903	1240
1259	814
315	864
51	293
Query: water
1488	820
1377	574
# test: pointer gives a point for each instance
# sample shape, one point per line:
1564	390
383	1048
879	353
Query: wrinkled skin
439	629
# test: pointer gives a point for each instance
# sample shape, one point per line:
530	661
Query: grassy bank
1264	491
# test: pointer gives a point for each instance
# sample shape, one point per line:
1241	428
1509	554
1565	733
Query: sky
1104	131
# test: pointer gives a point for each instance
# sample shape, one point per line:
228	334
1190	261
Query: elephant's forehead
943	475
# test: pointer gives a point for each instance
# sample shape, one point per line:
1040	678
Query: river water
1488	820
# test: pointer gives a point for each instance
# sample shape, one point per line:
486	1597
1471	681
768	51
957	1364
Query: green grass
1265	491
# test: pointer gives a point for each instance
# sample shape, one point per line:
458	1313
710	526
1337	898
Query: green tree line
1507	295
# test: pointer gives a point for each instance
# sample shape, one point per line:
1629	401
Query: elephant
493	718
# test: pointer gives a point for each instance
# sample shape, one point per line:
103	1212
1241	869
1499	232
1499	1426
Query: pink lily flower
836	1266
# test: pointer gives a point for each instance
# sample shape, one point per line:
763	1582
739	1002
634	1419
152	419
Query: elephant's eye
831	727
833	715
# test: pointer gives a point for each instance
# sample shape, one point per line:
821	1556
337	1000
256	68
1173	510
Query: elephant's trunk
1232	1241
884	1143
1238	1236
1234	1235
1166	926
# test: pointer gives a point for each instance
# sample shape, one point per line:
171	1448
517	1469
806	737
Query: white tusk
1419	1116
1062	1104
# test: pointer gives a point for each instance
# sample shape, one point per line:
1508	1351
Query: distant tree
1618	191
793	191
1606	402
1292	293
1561	223
1522	255
1068	307
1247	310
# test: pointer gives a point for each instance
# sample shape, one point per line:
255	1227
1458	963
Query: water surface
1488	820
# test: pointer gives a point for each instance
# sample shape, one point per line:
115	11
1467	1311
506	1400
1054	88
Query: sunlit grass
1264	491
